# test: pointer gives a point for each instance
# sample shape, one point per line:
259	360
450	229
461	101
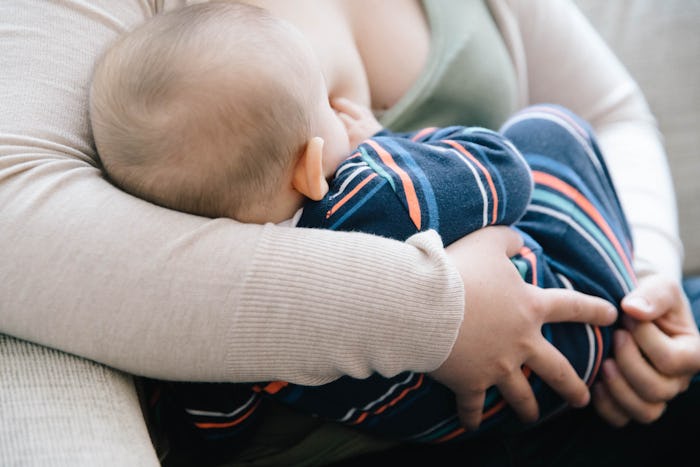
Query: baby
221	110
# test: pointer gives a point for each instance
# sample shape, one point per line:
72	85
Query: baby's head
211	109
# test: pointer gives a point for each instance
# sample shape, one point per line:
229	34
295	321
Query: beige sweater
95	272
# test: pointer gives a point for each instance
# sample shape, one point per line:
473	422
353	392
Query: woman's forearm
93	271
561	59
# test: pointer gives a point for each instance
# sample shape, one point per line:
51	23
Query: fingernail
638	302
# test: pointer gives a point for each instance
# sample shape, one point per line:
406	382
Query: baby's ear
308	172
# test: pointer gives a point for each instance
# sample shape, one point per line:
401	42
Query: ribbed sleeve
95	272
347	307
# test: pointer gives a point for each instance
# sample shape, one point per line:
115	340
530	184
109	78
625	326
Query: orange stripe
275	386
361	418
486	415
489	180
599	353
450	435
527	253
209	425
393	402
551	181
401	395
422	133
345	198
408	188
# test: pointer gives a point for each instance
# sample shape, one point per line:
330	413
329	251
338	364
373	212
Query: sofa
60	410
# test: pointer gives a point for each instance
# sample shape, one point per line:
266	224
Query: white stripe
351	177
480	184
589	334
380	399
206	413
561	122
348	165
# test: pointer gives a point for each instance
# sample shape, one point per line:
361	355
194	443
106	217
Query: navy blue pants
575	237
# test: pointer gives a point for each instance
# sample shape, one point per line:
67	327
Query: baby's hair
192	110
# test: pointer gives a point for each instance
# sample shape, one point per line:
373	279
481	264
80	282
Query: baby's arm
474	165
482	178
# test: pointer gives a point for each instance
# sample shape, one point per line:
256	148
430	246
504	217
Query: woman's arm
93	271
561	59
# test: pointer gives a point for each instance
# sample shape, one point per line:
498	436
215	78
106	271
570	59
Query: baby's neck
292	221
281	209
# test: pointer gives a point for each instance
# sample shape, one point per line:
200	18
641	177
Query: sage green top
469	78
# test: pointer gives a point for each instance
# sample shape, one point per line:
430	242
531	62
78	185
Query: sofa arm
61	410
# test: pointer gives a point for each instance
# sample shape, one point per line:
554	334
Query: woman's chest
371	52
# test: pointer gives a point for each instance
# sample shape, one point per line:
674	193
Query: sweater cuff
317	305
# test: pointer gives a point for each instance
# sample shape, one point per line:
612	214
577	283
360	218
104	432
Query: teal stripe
377	168
564	204
521	265
438	432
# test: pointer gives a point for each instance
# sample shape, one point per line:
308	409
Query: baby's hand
359	121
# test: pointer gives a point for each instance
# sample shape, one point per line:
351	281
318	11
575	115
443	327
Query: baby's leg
575	231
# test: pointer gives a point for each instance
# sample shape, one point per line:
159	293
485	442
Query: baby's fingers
346	106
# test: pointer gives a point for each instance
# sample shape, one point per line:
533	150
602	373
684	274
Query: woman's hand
656	354
501	331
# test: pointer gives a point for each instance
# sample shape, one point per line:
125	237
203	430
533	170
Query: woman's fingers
516	389
626	398
470	408
560	305
654	296
656	354
556	371
502	329
671	342
641	376
606	406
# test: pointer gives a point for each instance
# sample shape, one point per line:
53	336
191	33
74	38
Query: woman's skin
650	368
656	355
